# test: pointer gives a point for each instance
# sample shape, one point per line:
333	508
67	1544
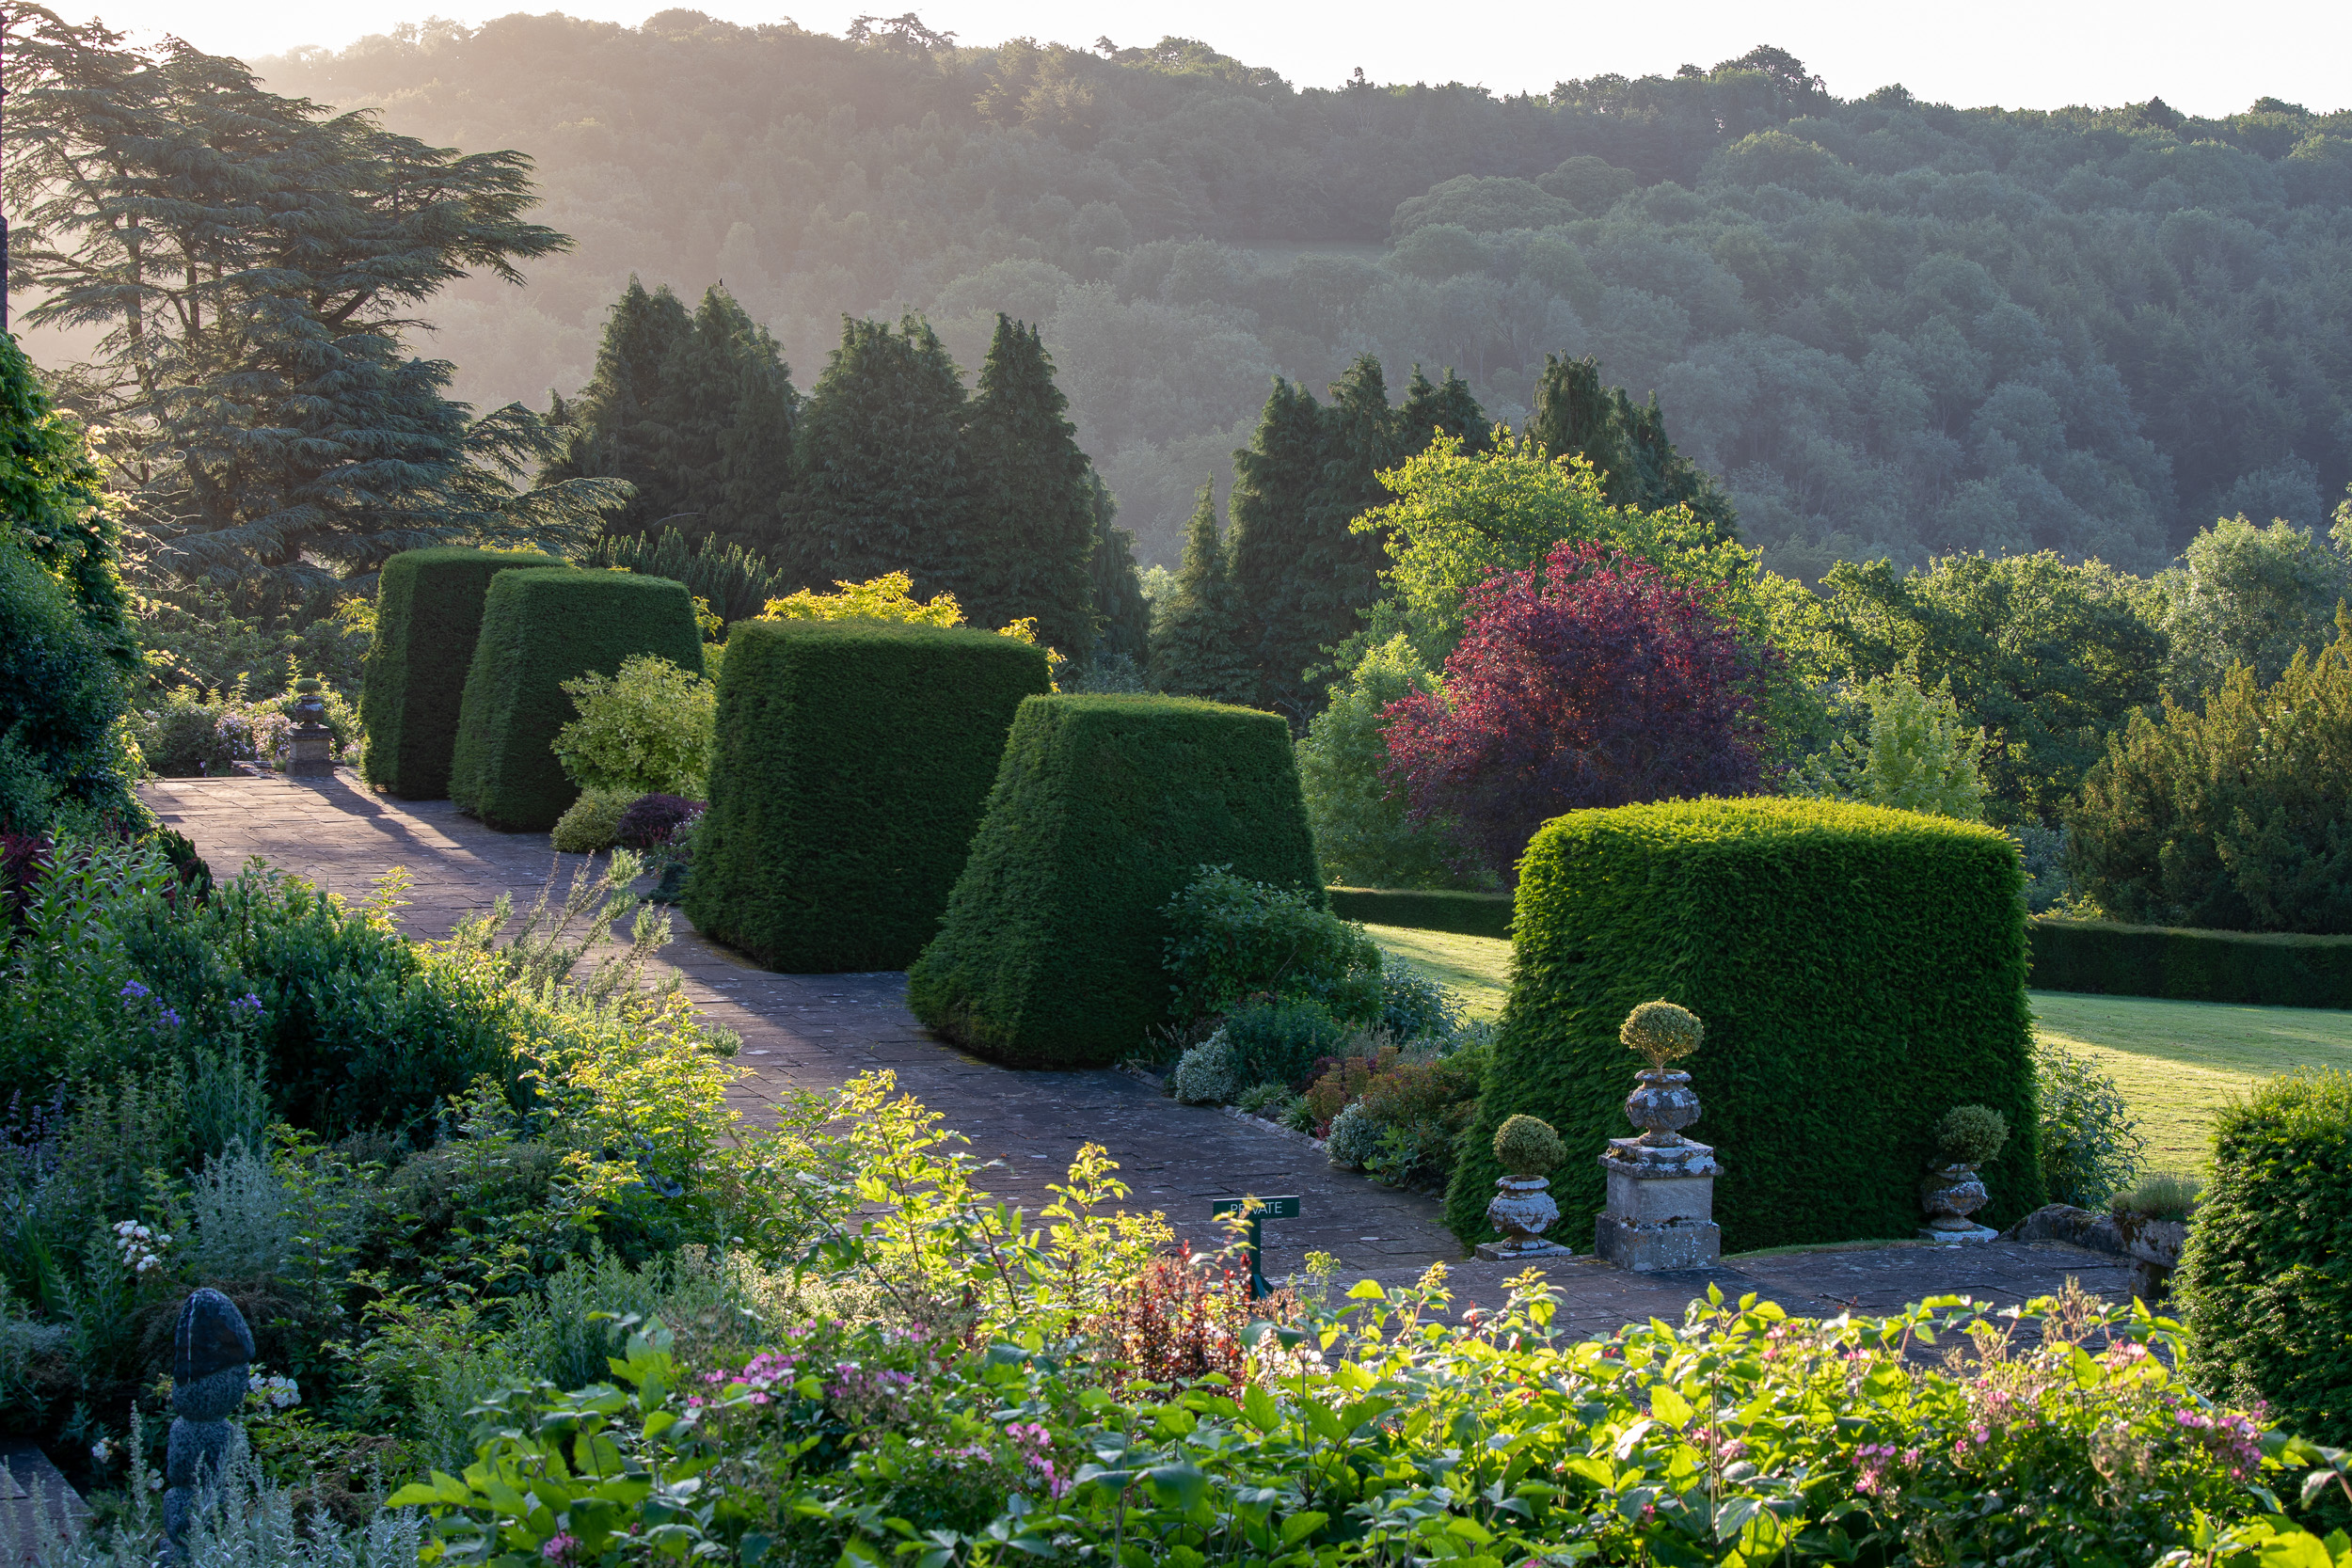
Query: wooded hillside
1893	328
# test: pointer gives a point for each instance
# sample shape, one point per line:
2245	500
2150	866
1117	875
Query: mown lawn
2174	1061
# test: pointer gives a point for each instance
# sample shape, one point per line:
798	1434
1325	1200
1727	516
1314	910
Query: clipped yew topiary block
1050	954
428	612
852	761
541	628
1860	973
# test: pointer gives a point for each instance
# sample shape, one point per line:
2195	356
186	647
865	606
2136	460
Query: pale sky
2201	57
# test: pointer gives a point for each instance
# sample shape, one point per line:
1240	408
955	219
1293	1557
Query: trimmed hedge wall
541	628
2265	1283
1468	914
1050	954
428	612
1860	971
2266	968
852	761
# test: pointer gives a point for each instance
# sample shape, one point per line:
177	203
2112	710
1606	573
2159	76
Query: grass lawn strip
1476	969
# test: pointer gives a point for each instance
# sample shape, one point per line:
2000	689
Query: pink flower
560	1546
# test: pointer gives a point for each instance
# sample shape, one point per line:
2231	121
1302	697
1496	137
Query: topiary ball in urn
1966	1138
1528	1151
1663	1102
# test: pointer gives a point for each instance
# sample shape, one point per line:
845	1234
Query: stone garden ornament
1528	1151
1966	1138
1662	1186
211	1352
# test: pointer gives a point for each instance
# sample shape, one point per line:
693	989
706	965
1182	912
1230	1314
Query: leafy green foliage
1918	755
1471	914
428	616
2229	818
1576	414
1123	616
1883	950
1362	835
2261	1284
1106	807
2244	595
1970	1134
2092	1146
53	500
2263	969
61	702
2044	657
542	627
1232	939
592	824
853	759
645	729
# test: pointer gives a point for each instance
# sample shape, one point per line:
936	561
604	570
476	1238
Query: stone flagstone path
816	1031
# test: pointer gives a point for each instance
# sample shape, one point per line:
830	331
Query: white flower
102	1451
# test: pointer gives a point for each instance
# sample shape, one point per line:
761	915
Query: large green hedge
2266	969
1860	971
1470	914
428	612
852	763
2265	1285
1050	954
541	628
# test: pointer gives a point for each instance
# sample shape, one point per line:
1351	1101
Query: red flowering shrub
1590	679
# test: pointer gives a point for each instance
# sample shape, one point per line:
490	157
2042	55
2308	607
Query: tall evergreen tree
1196	635
694	411
1029	529
619	426
1625	442
1310	469
1123	616
878	457
1433	406
252	266
1277	481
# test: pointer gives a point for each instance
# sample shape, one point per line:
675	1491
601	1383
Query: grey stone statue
211	1352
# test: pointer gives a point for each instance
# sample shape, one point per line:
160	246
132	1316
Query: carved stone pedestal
1662	1206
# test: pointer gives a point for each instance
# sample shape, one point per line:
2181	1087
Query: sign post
1255	1209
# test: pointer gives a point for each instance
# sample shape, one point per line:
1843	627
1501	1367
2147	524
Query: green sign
1284	1208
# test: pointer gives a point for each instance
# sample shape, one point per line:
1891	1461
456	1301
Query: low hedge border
2264	968
1465	915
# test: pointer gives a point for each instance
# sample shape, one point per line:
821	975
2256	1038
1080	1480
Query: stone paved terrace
816	1031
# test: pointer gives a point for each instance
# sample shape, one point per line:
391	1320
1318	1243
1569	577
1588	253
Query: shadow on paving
817	1031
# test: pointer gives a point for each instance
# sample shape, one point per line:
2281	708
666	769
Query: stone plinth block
1505	1252
1662	1206
311	752
1961	1234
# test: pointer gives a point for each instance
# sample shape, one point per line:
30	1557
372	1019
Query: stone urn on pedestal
310	749
1662	1185
1966	1138
1522	1208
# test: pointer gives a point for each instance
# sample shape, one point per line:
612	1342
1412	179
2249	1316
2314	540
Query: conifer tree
1196	636
1029	528
1123	616
619	427
1278	480
694	411
878	460
1625	443
1303	578
252	264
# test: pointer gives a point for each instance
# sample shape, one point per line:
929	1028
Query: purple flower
248	1003
168	1018
133	992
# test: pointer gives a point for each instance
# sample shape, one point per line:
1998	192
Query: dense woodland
1892	327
